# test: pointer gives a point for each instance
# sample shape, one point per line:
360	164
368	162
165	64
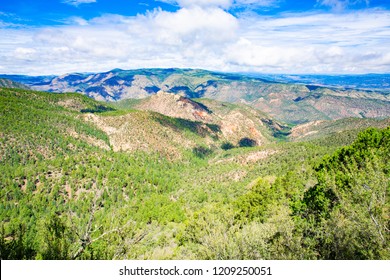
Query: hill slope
324	129
83	180
6	83
234	122
170	134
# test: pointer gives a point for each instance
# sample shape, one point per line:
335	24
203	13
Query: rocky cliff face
231	122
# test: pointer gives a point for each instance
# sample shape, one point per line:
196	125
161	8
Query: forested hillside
82	179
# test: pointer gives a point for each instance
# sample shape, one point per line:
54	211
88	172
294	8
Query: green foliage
202	151
319	201
227	146
15	245
160	209
247	142
350	203
56	240
97	109
191	126
280	132
125	104
255	204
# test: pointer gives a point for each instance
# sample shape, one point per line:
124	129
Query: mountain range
285	98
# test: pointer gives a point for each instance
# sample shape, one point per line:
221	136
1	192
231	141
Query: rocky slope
321	129
233	122
7	83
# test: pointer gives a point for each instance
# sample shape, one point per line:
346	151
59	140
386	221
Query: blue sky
269	36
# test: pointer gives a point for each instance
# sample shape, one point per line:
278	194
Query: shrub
201	151
227	146
247	142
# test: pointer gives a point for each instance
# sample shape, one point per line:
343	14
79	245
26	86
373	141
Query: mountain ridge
7	83
293	103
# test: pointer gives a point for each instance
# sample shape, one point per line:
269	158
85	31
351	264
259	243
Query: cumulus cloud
78	2
324	43
206	26
209	37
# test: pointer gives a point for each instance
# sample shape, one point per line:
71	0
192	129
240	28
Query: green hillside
81	179
321	130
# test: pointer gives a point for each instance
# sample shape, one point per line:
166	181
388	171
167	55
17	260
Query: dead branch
374	220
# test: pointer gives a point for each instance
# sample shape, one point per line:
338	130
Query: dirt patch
256	156
248	158
71	104
304	130
68	190
89	139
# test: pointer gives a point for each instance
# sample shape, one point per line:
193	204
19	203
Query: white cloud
204	37
205	3
78	2
199	3
78	21
24	53
256	3
317	43
206	26
222	3
341	5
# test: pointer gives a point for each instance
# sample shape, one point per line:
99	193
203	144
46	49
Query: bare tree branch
374	220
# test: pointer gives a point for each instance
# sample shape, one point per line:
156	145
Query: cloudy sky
269	36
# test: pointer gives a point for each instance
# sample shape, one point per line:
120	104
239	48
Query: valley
191	164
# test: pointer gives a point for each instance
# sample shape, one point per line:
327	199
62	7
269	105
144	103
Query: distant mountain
288	102
373	82
28	80
6	83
